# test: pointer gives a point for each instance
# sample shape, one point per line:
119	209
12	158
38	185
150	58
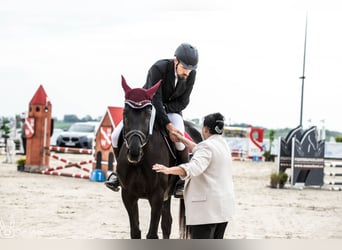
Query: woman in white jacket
208	192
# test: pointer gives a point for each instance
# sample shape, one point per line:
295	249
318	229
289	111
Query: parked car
79	135
54	136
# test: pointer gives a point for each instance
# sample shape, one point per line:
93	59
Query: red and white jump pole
68	164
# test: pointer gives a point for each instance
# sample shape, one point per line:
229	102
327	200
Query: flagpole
303	76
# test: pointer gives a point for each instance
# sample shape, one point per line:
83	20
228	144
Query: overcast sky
251	56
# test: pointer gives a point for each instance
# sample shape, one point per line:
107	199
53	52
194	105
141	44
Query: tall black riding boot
116	153
182	157
112	181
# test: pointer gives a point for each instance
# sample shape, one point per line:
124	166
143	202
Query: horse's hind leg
131	205
166	219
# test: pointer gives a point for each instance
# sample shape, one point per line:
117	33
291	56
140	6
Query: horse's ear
125	87
151	91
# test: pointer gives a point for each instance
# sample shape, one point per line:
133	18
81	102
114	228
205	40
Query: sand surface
36	206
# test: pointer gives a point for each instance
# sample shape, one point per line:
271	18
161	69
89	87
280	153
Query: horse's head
137	119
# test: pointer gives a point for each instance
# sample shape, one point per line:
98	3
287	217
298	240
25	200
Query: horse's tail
184	232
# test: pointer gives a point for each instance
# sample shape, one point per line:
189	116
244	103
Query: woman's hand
175	170
179	137
159	168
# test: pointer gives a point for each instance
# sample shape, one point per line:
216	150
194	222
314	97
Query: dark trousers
24	144
208	231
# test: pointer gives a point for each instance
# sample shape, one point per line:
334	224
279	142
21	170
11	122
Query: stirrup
112	182
178	193
111	186
179	189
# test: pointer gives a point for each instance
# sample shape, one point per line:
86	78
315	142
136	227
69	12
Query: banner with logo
106	137
29	127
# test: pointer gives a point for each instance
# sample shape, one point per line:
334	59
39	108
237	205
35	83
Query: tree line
71	118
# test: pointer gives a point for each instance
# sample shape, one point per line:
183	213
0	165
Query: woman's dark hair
215	123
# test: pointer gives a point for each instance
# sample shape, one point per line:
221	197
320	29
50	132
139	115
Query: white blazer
209	191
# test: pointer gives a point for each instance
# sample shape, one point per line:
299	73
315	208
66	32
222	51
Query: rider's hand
177	135
172	130
173	137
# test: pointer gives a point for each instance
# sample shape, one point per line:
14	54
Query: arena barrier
330	177
239	155
303	153
69	164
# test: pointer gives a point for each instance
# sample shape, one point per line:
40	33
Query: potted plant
282	179
21	164
268	155
274	180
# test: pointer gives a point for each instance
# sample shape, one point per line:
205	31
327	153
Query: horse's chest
138	180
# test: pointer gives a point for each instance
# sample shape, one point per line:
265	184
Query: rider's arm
156	73
177	103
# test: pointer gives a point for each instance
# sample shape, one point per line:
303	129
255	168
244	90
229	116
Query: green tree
5	128
71	118
87	118
338	138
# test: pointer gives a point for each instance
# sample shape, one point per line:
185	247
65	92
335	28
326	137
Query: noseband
142	137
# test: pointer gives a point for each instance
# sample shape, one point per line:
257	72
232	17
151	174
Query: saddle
170	145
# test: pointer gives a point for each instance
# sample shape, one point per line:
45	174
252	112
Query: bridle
135	132
142	137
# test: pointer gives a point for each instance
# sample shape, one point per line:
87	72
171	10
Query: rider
178	78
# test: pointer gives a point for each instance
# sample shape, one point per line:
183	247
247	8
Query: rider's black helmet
187	55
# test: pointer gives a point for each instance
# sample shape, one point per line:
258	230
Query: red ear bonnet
139	95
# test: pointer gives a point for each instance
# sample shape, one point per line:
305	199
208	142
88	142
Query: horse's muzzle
135	141
134	155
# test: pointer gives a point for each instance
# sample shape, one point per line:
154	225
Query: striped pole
82	176
334	174
333	165
71	150
60	158
68	164
334	183
335	188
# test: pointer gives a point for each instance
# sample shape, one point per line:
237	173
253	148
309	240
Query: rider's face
181	71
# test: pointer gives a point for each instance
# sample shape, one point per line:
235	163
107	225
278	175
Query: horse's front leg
131	205
156	203
166	219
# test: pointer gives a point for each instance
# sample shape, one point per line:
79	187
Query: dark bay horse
143	146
